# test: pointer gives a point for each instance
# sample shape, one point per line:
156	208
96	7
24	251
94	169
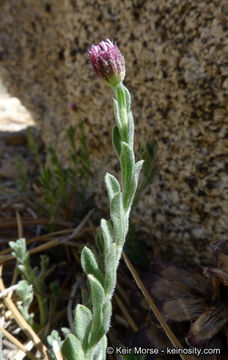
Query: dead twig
154	308
8	290
17	343
22	322
52	243
125	313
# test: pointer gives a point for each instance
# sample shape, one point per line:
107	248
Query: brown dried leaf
218	273
163	289
183	309
207	325
190	278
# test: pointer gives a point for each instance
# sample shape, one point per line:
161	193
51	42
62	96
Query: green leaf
25	292
117	114
127	99
112	185
83	319
97	293
134	183
99	240
50	338
107	314
127	160
148	153
118	218
110	271
72	348
44	261
130	129
107	232
121	95
116	139
106	318
19	249
66	331
99	351
85	298
90	265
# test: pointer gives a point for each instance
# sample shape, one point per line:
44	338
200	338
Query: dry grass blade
8	290
154	308
125	313
47	237
19	225
78	228
52	243
22	323
38	249
57	350
38	221
17	343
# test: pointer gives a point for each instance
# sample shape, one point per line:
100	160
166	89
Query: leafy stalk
31	281
92	323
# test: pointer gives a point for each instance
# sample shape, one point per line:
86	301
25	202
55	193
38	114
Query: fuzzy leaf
19	249
118	218
99	351
90	265
107	232
105	323
121	95
127	164
117	114
127	159
99	240
25	291
112	185
44	261
127	98
54	336
110	271
130	130
133	185
97	292
107	313
66	331
72	348
116	139
83	319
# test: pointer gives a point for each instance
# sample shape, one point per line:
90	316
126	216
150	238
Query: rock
175	56
14	138
13	115
8	168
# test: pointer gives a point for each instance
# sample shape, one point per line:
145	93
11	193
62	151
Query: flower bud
108	62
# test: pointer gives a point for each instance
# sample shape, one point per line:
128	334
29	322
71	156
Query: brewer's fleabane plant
92	320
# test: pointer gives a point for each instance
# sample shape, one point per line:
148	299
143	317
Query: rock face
175	56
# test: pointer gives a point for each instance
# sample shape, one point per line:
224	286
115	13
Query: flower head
108	62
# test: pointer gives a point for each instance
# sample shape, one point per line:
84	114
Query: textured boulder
175	56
